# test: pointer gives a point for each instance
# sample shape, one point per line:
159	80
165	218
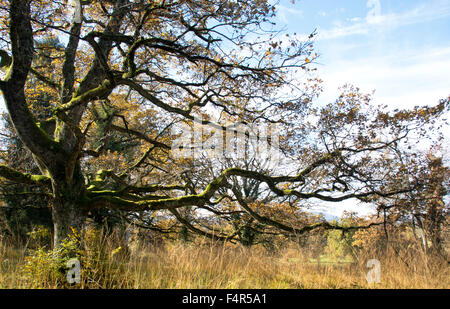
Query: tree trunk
68	218
68	212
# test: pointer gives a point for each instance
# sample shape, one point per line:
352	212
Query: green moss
91	187
88	95
101	175
58	128
104	192
39	178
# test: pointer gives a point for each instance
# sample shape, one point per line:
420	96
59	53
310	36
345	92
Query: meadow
107	264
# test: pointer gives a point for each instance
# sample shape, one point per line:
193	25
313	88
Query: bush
101	263
47	268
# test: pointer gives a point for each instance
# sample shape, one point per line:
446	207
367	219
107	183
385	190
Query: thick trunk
68	211
68	217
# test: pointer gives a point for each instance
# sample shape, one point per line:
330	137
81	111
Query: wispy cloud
284	12
401	79
363	26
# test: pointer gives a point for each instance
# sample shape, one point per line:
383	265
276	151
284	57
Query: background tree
425	208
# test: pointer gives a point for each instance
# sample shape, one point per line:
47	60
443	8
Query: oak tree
129	70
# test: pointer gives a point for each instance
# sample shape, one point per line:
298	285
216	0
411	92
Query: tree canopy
95	90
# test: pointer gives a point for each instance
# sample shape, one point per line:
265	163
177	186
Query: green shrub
102	262
47	268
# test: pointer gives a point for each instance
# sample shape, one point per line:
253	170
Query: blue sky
399	48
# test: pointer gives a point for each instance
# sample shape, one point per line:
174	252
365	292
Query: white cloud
375	20
284	11
400	79
354	19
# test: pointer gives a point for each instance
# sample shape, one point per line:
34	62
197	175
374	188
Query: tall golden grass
204	264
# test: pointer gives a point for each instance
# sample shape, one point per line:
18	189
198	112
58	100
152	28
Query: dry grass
193	266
